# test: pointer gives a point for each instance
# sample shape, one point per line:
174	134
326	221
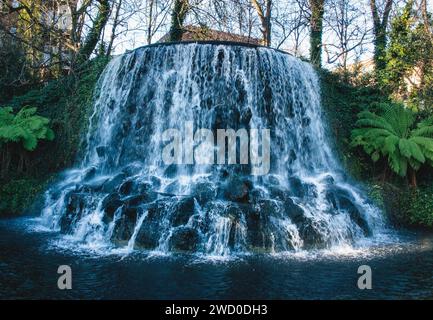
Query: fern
393	134
25	127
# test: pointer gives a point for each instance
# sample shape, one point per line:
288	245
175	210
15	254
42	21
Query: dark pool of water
28	269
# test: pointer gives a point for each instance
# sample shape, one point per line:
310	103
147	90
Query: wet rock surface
253	216
184	239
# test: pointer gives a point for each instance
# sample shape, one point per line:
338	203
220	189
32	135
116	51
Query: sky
135	25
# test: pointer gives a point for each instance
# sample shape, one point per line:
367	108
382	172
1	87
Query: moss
420	211
341	104
68	103
406	207
376	194
16	196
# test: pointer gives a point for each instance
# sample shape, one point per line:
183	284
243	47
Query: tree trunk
149	26
5	161
379	48
94	33
180	10
385	174
413	181
113	28
425	16
265	20
380	25
20	168
316	30
268	23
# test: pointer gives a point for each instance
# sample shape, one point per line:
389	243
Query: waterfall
124	194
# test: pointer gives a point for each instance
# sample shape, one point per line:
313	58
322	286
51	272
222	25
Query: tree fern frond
25	127
416	151
422	131
390	144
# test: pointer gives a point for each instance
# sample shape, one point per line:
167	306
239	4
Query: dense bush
19	195
392	132
405	206
67	102
13	75
421	206
25	127
342	102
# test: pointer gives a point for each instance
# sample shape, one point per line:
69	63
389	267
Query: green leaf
375	156
405	149
25	127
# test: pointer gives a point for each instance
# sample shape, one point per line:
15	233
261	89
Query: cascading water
124	195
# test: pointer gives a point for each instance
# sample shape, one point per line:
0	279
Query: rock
224	173
295	212
170	171
198	222
95	185
297	187
184	239
132	169
89	173
126	187
113	183
341	199
143	187
305	121
110	204
301	189
125	226
269	208
246	116
173	188
310	235
75	203
101	151
176	211
290	207
151	231
204	192
136	200
278	193
258	235
182	211
155	181
233	211
237	189
256	194
292	157
328	179
273	180
148	235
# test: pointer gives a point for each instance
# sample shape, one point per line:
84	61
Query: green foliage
67	102
408	72
12	67
420	211
392	134
25	127
409	207
342	102
18	195
375	192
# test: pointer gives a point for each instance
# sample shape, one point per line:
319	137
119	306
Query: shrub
25	127
391	133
